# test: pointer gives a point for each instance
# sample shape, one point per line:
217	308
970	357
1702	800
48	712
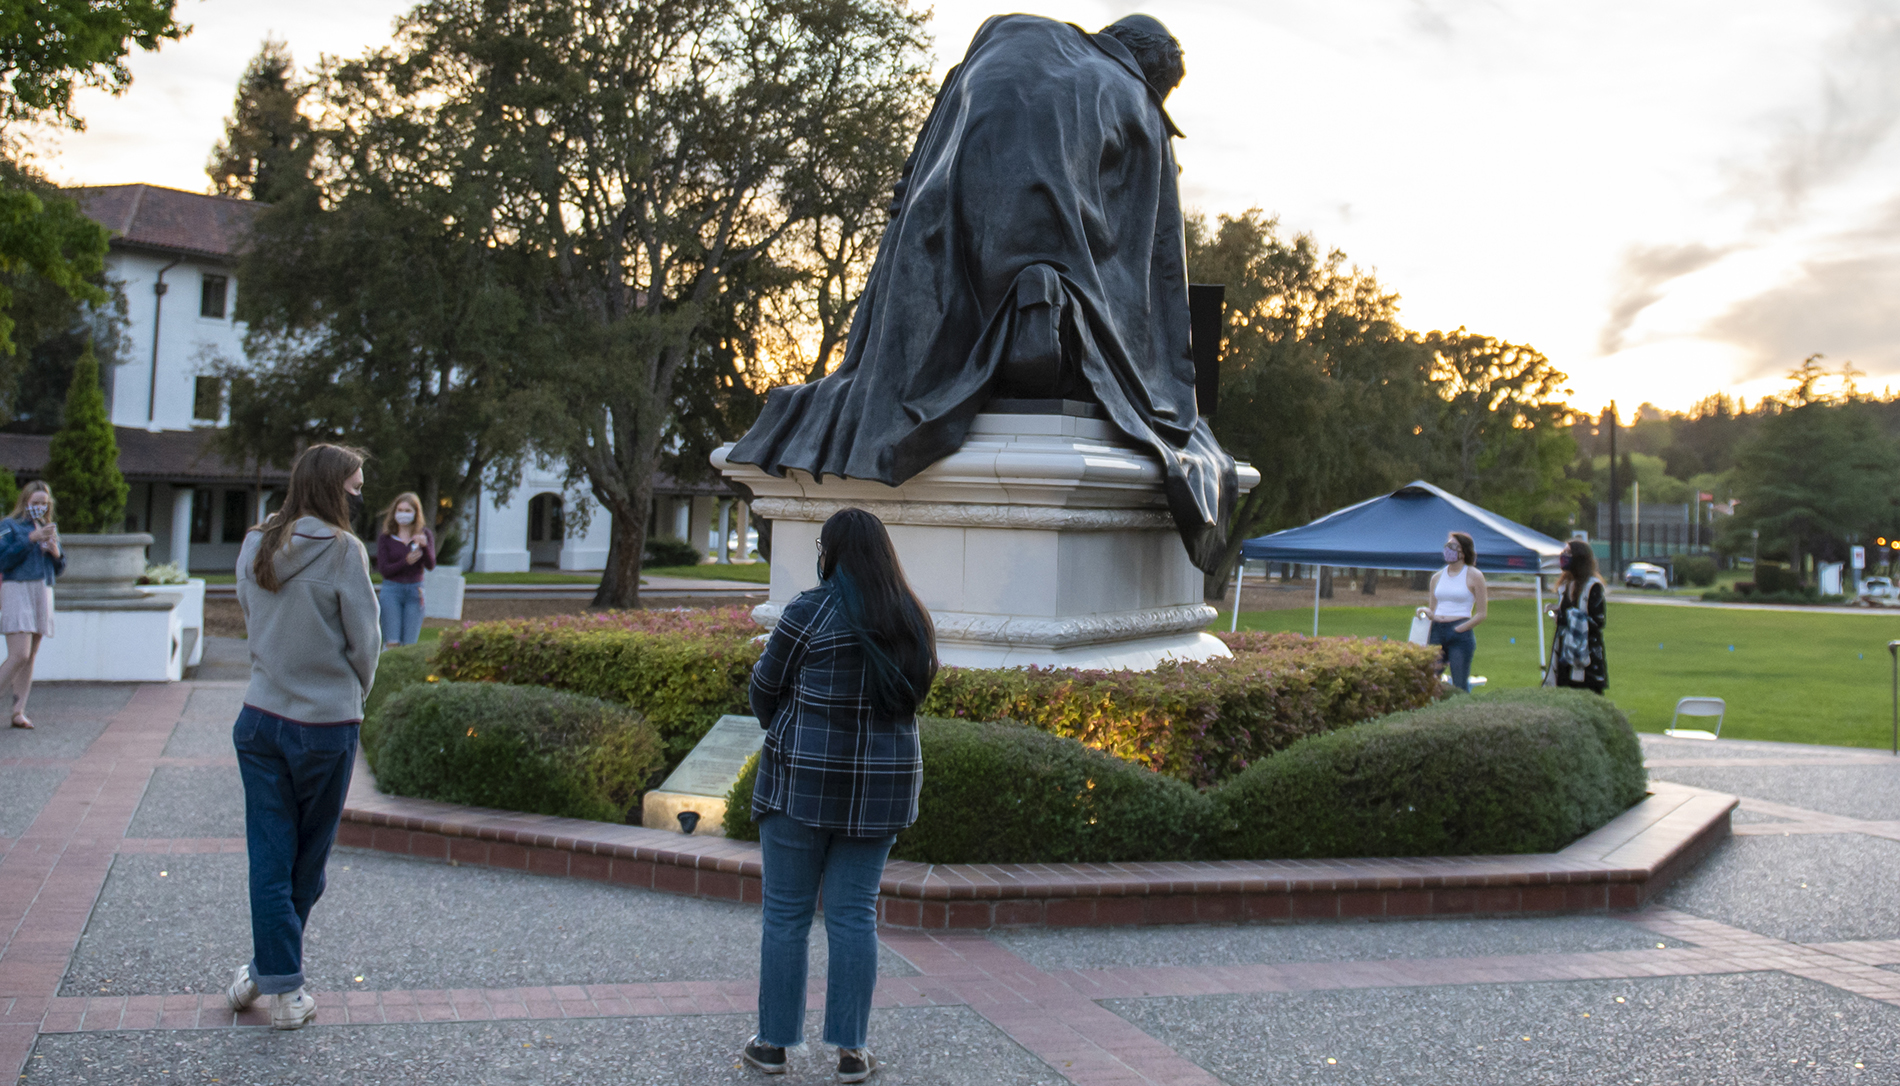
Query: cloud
1855	109
1840	304
1646	270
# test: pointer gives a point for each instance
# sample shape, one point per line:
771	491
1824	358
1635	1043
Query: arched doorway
546	531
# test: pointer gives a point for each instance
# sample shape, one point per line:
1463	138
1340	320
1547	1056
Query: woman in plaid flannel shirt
836	691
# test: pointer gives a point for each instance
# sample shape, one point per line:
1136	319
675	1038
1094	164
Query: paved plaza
122	905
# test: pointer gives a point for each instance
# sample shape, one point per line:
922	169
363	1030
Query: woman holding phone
30	561
404	550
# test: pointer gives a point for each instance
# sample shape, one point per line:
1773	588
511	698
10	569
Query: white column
725	527
181	527
741	518
263	505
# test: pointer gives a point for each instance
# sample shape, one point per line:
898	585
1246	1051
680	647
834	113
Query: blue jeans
402	612
295	778
798	861
1459	648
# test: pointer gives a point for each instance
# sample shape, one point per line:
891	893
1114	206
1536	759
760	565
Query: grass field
1790	677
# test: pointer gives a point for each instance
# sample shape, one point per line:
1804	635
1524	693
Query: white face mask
405	517
37	512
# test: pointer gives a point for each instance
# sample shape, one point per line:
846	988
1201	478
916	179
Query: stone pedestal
105	628
1044	540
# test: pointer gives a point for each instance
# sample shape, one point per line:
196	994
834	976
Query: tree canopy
50	48
617	195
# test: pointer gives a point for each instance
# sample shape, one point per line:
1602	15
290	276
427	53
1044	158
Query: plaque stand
702	780
1044	540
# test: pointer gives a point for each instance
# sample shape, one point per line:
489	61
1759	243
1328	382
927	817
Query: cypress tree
83	465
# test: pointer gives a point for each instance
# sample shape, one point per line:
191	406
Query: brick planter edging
1620	866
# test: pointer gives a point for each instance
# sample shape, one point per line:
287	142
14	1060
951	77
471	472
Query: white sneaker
292	1010
243	990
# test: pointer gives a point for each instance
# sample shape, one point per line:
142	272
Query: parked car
1879	592
1645	575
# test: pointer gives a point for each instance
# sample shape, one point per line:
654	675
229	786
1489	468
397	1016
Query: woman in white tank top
1455	604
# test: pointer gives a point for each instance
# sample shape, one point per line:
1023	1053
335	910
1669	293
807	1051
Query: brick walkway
52	874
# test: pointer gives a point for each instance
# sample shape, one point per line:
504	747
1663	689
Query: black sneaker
767	1058
855	1064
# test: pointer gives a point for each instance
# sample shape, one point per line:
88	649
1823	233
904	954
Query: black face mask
356	507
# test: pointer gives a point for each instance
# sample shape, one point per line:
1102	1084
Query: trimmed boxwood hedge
1197	722
1003	793
517	748
682	670
398	669
1508	771
1203	722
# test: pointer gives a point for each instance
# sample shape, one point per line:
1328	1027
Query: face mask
1563	560
405	517
1452	554
356	507
38	512
821	569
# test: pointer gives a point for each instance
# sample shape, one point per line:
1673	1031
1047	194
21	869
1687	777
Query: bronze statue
1034	252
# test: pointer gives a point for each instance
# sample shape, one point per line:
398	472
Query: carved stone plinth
1044	540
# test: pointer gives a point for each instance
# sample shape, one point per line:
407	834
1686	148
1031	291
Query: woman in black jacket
1576	657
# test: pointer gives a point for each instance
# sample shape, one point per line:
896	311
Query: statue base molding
1044	540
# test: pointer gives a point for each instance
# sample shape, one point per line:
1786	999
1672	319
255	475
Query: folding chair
1714	707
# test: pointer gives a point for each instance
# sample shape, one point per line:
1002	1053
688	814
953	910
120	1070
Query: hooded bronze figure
1035	251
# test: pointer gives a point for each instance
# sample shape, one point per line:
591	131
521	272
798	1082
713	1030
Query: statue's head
1156	51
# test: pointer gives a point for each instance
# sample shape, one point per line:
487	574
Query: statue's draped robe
1044	175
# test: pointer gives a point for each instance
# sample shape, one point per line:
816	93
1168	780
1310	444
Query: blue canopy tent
1406	530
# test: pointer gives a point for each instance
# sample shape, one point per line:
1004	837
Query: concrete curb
1621	866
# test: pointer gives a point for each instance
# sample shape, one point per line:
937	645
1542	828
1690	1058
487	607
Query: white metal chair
1714	707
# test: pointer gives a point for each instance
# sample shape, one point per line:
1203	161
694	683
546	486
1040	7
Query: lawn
751	572
1790	677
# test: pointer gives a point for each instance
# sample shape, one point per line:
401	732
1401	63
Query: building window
207	399
201	516
211	301
237	515
544	519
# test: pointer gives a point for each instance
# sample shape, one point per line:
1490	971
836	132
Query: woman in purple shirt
404	550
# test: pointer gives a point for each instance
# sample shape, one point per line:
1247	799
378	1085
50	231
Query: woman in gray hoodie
311	621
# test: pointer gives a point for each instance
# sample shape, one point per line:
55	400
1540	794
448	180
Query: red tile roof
164	456
150	217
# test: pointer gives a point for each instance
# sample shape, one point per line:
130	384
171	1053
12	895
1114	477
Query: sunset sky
1667	197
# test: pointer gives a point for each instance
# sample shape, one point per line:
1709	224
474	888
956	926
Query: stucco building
174	255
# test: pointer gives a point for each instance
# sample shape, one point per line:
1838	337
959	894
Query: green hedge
1695	569
397	670
681	669
1204	722
1510	771
1003	793
517	748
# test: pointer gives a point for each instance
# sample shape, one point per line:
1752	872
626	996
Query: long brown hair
390	527
27	491
316	490
1583	566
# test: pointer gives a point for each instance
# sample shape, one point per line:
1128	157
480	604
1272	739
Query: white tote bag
1421	628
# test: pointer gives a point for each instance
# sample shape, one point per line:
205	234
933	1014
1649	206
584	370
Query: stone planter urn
102	573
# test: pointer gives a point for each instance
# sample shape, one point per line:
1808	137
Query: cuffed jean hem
289	982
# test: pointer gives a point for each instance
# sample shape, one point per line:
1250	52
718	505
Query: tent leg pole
1540	620
1240	575
1316	570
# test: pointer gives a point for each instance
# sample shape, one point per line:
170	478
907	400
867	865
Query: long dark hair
1583	566
316	490
894	631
